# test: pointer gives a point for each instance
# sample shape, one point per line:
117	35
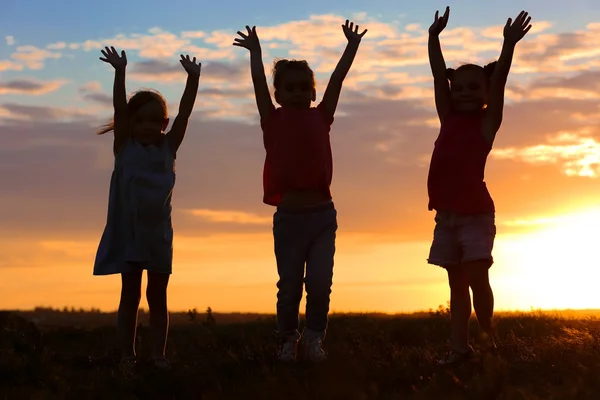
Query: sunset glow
543	172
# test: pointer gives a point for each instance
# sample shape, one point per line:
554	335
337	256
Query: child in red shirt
297	176
469	103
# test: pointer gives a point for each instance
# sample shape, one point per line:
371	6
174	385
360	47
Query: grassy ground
371	357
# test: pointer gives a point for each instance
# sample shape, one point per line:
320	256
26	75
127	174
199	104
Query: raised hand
190	66
112	57
351	32
439	23
515	31
249	40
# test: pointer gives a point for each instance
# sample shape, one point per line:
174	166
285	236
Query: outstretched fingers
526	25
360	34
245	38
112	56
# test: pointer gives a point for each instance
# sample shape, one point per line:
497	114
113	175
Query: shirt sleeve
327	118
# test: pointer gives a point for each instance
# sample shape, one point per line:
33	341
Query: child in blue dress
138	234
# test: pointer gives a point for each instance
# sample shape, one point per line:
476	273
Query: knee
156	296
290	290
319	287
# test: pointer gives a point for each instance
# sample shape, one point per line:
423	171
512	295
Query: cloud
100	98
34	57
10	40
559	52
212	71
156	44
584	85
578	154
92	86
236	217
28	112
193	34
57	46
92	91
382	137
8	65
30	86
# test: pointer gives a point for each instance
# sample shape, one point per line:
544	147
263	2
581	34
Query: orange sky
542	173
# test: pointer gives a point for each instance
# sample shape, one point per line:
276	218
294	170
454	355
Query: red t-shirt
298	152
456	173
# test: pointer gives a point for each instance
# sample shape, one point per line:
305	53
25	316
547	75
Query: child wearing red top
297	176
469	103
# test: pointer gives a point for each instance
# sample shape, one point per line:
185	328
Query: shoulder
273	115
122	146
320	111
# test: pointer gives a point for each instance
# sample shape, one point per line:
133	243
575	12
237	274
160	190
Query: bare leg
131	292
460	307
483	297
156	293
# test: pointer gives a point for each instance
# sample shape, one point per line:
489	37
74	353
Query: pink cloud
30	86
33	57
8	65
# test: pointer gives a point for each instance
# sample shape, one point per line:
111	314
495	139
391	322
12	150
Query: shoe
488	345
288	351
161	363
313	350
455	358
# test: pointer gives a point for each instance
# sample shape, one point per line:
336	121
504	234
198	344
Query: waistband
307	210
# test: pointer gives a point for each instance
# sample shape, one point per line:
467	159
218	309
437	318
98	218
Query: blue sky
40	22
55	171
74	22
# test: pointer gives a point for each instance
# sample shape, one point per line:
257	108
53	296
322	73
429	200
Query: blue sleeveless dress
138	231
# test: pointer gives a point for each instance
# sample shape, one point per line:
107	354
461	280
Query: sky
543	172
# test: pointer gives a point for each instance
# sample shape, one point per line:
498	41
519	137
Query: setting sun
55	94
555	265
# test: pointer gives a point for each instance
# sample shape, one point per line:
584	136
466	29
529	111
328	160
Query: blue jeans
302	238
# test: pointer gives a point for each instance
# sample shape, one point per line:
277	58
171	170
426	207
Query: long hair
137	101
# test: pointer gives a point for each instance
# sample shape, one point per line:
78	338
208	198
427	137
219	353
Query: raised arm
261	88
334	87
438	65
186	105
513	32
119	63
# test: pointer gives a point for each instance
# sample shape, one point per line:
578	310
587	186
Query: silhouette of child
296	179
138	234
469	103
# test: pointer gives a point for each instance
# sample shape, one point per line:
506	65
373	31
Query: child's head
469	85
294	83
147	116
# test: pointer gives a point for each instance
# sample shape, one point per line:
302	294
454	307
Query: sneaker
288	351
313	350
488	345
161	363
455	358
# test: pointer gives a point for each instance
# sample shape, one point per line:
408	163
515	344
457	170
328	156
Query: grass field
541	356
